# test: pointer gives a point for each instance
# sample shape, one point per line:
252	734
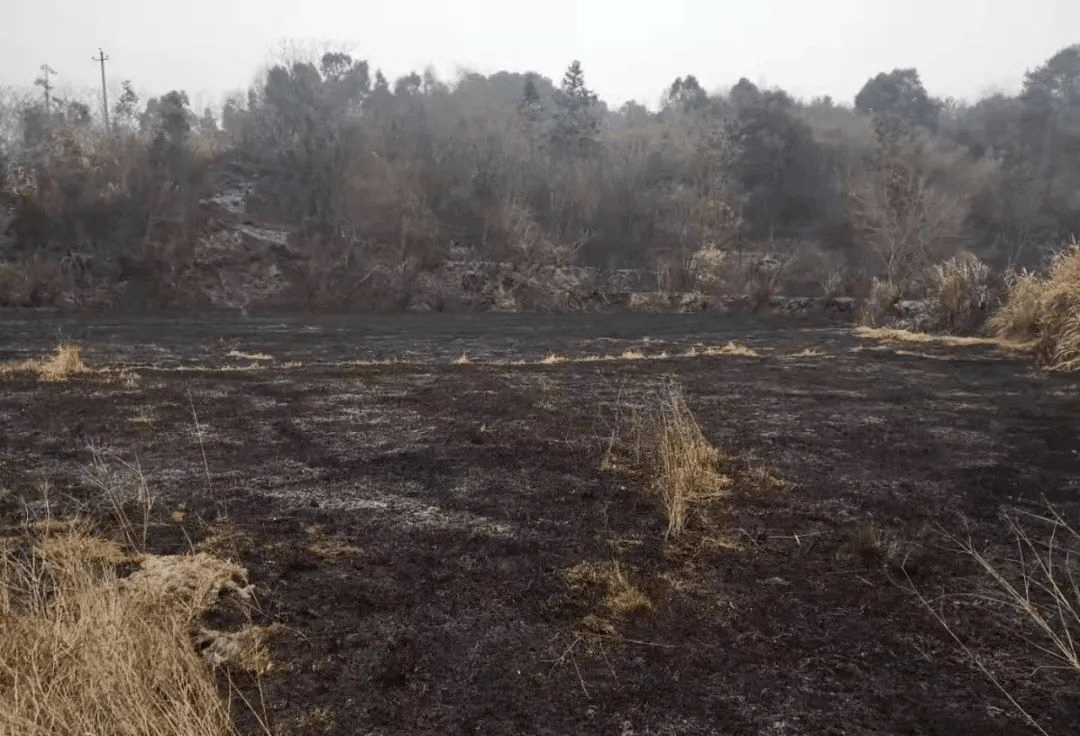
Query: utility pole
102	58
43	82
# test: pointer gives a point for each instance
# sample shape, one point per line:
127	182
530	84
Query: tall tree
899	92
577	117
126	107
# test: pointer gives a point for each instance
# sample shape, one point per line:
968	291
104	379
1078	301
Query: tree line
366	171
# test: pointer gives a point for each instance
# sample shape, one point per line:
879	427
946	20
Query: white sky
630	49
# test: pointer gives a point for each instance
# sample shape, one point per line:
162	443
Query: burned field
446	515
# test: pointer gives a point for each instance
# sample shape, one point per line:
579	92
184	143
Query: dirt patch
442	539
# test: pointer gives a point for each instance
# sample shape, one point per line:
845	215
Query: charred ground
412	519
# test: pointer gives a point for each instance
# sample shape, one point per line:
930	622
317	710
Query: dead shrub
1046	311
709	269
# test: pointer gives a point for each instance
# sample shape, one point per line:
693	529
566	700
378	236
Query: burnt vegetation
290	519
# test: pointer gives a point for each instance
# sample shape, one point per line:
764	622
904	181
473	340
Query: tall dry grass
879	303
687	464
665	444
1046	310
98	639
86	651
957	296
66	361
660	442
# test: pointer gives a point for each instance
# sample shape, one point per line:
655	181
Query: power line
102	58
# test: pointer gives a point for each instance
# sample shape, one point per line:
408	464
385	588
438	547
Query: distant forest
364	170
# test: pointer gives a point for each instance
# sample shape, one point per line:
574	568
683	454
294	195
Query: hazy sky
630	49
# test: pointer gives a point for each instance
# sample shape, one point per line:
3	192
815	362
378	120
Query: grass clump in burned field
674	539
688	473
98	637
88	650
65	362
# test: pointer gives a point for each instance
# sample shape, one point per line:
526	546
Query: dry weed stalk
127	492
1040	586
1044	589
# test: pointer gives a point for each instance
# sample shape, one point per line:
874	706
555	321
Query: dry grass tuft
125	487
620	597
811	352
879	303
463	359
326	546
958	295
249	356
895	335
65	362
872	547
731	348
632	354
1046	311
87	651
687	465
662	443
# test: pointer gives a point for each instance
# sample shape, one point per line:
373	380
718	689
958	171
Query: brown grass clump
731	348
65	362
879	303
620	597
463	359
687	465
896	335
1046	311
663	445
88	651
958	295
